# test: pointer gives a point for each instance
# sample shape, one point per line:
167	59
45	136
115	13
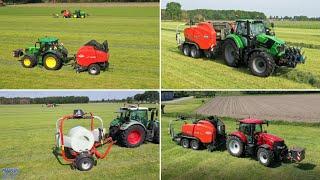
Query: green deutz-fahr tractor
47	52
254	44
134	125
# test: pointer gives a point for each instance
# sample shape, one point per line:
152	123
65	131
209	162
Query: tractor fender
265	146
126	125
240	135
191	43
255	50
58	54
236	39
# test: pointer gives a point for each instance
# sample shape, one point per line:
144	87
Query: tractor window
140	115
245	128
257	28
258	128
241	28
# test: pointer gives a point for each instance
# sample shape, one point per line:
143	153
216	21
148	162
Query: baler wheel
94	69
194	52
51	62
185	143
231	53
28	61
235	146
265	156
261	64
194	144
186	50
132	137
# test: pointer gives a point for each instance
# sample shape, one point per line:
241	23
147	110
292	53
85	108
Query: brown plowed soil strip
298	108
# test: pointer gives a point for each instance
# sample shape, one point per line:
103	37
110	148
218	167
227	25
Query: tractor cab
251	128
47	43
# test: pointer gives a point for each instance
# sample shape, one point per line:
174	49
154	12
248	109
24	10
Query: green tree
173	10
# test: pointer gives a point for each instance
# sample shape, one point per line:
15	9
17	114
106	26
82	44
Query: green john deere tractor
255	45
47	52
134	125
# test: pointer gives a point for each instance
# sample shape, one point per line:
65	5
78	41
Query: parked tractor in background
77	14
51	54
208	132
134	126
250	139
247	42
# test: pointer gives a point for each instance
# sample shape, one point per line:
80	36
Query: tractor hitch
292	57
17	53
296	154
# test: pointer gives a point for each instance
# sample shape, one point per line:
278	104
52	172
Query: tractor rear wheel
185	143
235	146
194	144
231	53
94	69
84	163
52	62
186	50
132	137
28	61
265	156
194	52
261	64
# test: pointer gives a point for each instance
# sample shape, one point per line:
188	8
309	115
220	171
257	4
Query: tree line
146	97
45	100
294	18
173	11
71	1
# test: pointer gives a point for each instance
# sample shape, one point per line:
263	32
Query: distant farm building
167	95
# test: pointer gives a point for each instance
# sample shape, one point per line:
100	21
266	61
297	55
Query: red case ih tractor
79	146
208	132
252	140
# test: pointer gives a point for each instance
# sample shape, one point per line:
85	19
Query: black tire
265	156
114	132
261	64
124	135
156	137
194	144
186	49
84	163
185	143
28	61
235	146
194	52
52	62
94	69
231	53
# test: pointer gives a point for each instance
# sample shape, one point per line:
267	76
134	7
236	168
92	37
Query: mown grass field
132	33
27	137
179	71
180	163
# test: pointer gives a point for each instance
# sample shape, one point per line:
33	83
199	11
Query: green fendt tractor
47	52
255	45
134	125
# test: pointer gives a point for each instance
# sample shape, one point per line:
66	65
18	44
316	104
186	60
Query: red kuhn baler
80	146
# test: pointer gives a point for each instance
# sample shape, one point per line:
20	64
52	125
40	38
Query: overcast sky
309	8
93	95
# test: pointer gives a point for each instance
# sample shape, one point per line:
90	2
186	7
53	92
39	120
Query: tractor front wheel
261	64
94	69
156	137
132	137
265	156
28	61
231	53
52	62
235	146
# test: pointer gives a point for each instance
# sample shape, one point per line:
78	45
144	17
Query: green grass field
132	33
27	136
180	163
179	71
